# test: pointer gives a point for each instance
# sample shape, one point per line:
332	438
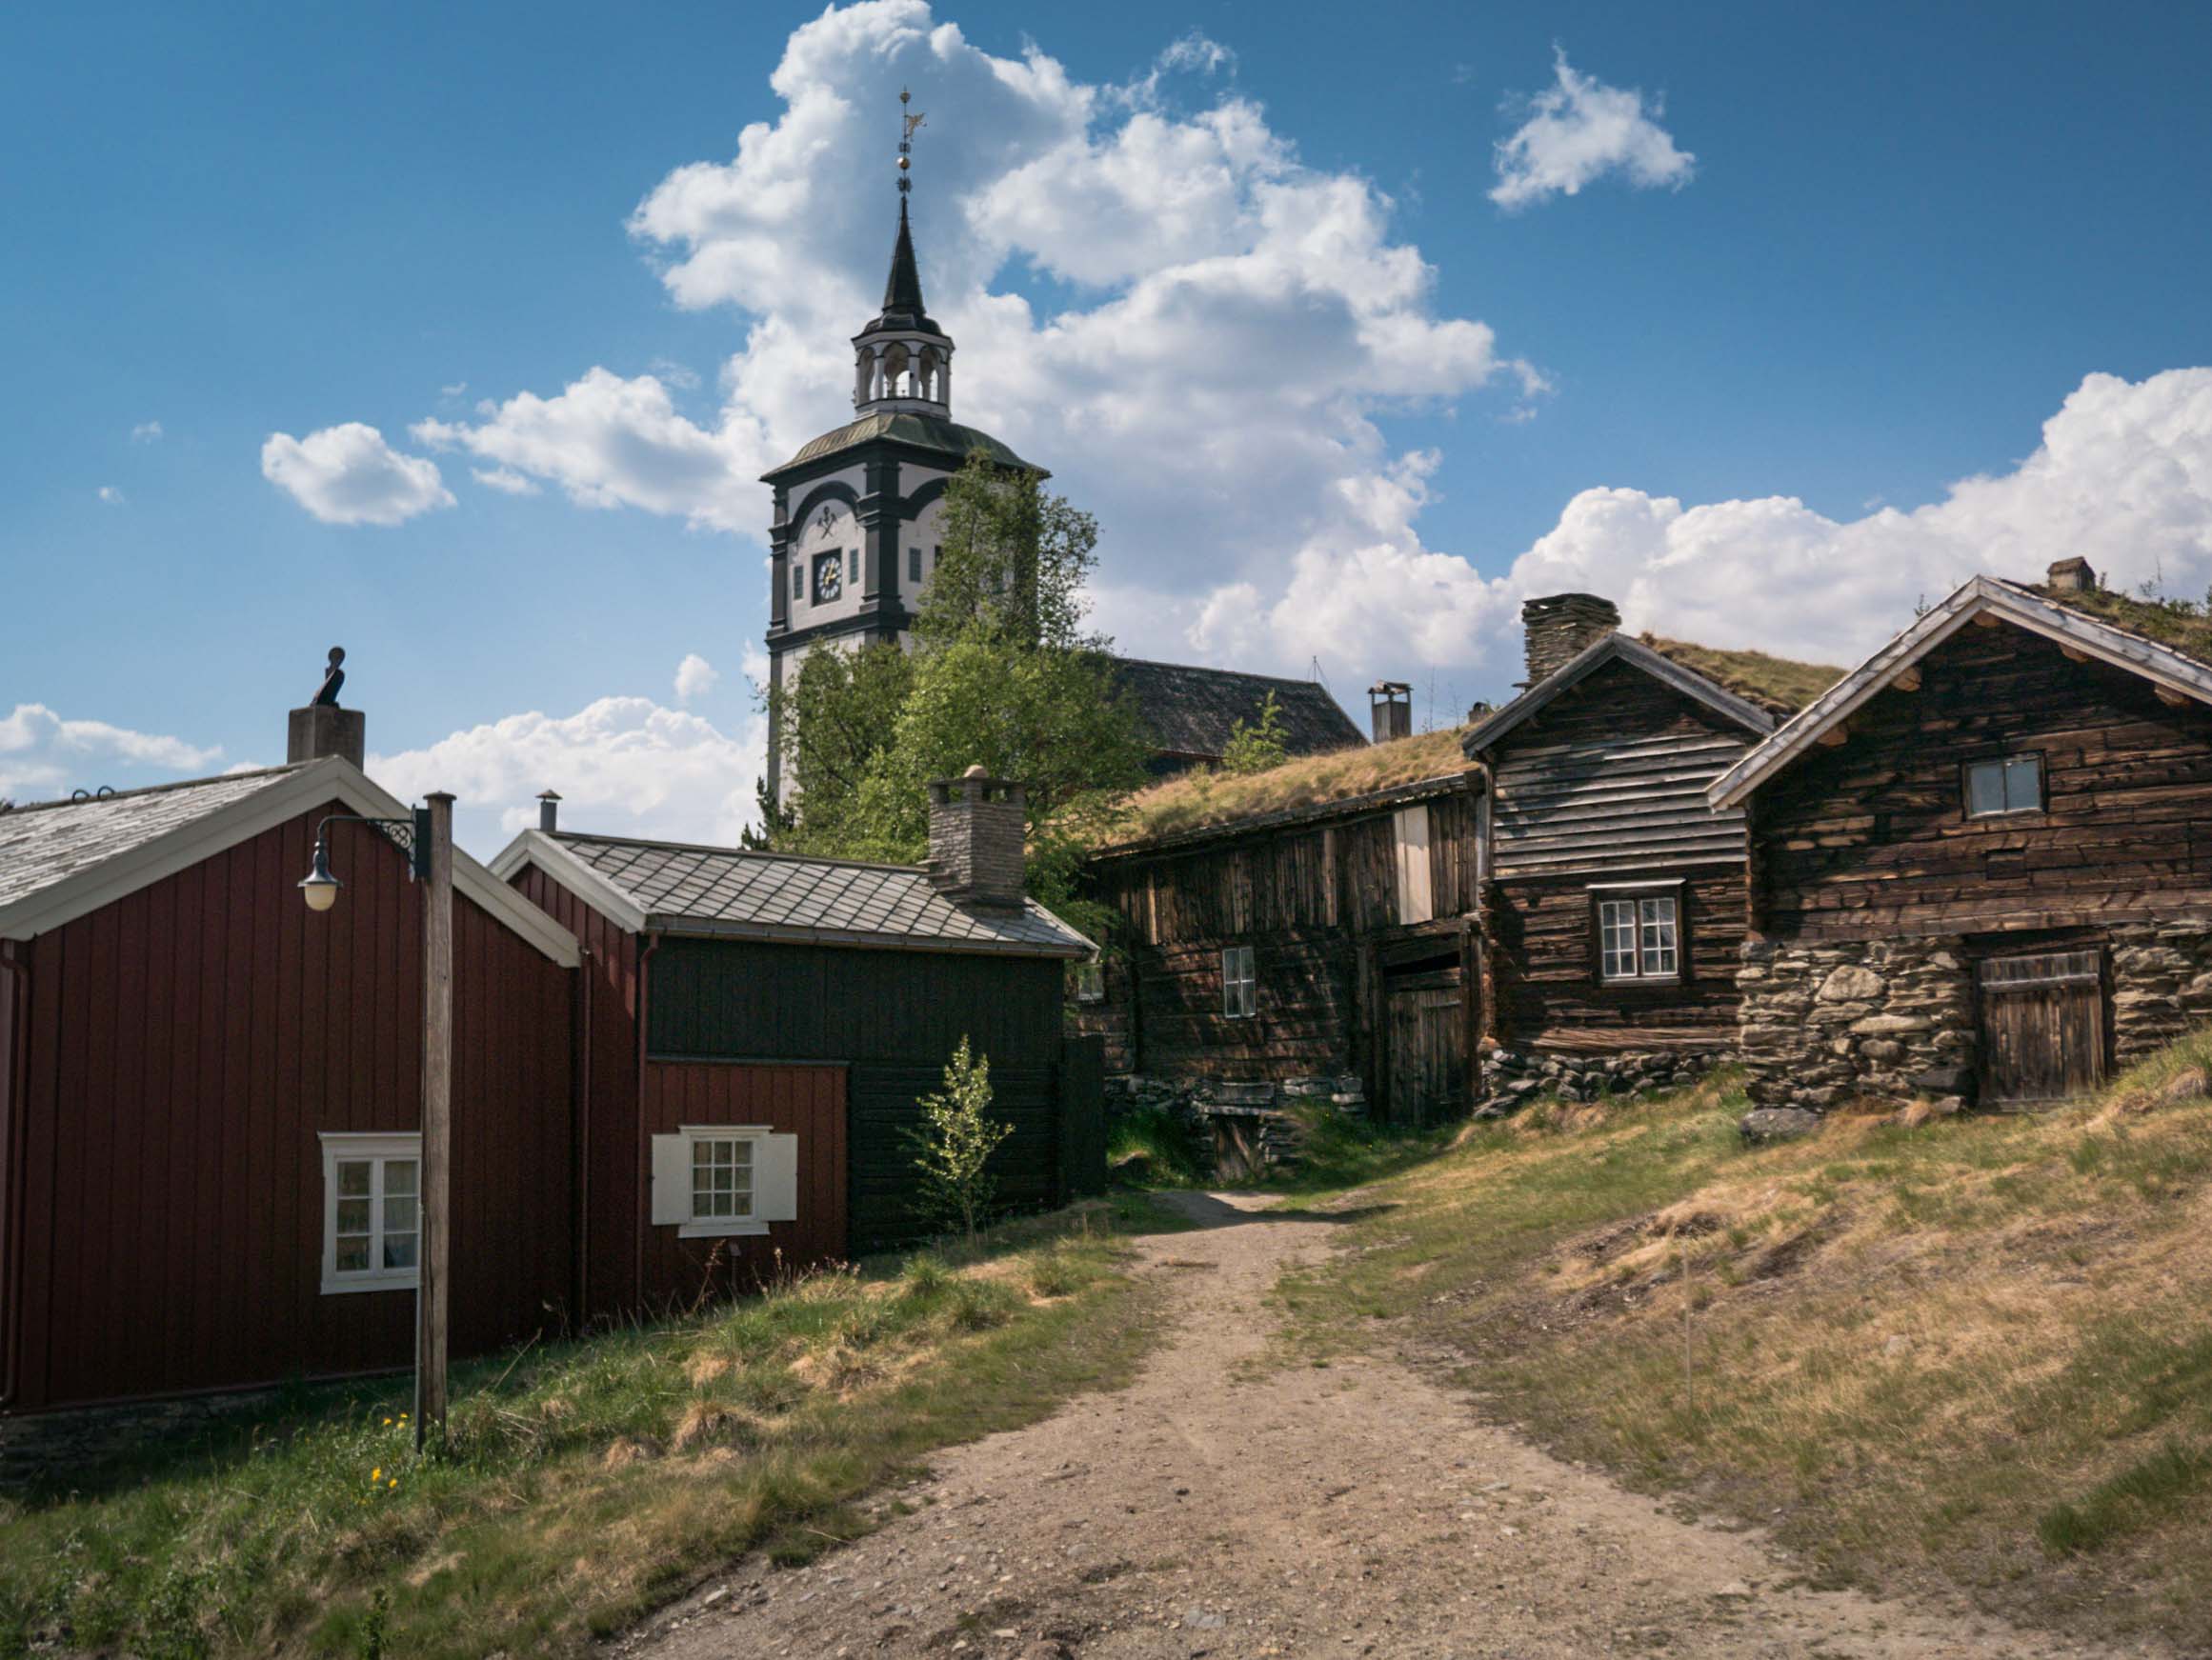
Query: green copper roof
903	427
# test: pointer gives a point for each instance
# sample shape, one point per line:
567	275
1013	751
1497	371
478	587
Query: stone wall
1246	1128
1895	1019
1511	1078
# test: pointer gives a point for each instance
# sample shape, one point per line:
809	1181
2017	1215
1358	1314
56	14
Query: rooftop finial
907	123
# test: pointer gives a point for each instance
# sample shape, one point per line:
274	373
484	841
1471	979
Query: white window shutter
672	1179
776	1178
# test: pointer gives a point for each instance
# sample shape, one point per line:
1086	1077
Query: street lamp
427	837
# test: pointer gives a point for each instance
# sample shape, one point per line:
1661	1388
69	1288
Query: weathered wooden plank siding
1546	975
1611	777
1306	898
1870	838
885	1107
188	1044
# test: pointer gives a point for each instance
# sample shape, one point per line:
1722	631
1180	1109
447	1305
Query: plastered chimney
2069	577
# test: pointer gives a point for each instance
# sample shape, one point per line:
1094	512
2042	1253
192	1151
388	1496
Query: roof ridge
1209	669
90	800
760	853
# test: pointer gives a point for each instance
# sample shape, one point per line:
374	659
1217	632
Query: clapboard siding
1611	776
1870	837
886	1111
185	1046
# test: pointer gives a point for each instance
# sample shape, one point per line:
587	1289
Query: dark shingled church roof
905	427
902	296
1186	712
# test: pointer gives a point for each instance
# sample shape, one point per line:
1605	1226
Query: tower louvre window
913	564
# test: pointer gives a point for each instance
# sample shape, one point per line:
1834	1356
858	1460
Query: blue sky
1893	243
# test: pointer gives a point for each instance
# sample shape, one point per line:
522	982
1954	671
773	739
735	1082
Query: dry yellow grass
1975	1347
1198	800
1778	685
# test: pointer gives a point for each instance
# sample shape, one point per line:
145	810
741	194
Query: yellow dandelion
395	1482
376	1475
387	1423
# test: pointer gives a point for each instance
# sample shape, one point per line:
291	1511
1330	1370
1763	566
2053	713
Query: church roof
1186	711
904	426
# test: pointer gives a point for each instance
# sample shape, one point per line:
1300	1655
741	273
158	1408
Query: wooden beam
1835	737
2171	698
1987	620
434	1257
2073	653
1908	679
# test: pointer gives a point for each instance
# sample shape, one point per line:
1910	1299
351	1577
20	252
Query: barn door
2042	1027
1426	1046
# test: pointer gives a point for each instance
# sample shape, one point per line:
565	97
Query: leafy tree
1259	745
954	1146
1012	563
839	712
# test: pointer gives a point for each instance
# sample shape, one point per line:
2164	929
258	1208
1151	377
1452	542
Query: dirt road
1217	1509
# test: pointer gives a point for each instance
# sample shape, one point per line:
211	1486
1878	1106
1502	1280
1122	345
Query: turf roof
1778	685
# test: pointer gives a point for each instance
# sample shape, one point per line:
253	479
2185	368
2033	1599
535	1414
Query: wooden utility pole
437	1124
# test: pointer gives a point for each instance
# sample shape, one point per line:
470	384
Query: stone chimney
2069	577
322	729
1390	710
976	840
1561	626
549	811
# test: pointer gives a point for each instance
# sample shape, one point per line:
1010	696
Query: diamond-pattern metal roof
48	842
730	891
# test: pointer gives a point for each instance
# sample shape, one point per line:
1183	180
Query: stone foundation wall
1895	1019
1511	1078
1247	1126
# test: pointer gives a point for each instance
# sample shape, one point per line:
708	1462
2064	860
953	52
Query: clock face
829	576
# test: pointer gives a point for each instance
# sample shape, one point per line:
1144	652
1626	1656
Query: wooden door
1425	1047
2042	1027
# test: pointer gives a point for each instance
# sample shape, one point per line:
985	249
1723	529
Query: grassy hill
1975	1348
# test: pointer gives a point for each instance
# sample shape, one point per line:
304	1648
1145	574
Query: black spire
902	296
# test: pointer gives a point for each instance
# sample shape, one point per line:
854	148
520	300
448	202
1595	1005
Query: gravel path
1352	1509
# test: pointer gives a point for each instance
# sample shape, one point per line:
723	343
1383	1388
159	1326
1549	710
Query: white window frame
1239	983
378	1149
2004	765
1090	975
723	1226
1649	906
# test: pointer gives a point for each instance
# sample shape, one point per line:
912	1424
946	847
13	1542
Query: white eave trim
1595	657
2157	664
578	877
331	779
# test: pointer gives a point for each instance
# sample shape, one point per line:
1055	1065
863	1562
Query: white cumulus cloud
348	474
1233	331
1578	131
695	677
625	765
42	754
505	479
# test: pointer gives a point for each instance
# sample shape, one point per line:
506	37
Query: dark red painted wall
612	1198
808	1101
186	1045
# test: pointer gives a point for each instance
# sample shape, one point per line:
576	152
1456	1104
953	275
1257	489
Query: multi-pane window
1090	981
798	580
913	564
853	564
1240	987
372	1212
2009	784
721	1178
1639	938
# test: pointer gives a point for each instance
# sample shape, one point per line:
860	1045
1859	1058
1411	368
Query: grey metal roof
43	844
681	889
904	426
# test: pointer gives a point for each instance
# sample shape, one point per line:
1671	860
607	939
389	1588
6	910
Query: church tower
853	536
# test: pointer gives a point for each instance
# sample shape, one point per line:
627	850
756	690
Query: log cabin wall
1870	839
1605	786
1310	897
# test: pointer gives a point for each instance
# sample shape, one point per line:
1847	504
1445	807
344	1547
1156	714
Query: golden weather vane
908	122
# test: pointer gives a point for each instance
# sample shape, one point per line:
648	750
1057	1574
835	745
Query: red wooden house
210	1096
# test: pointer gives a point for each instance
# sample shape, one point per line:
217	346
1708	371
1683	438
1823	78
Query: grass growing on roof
586	1484
1202	797
1976	1348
